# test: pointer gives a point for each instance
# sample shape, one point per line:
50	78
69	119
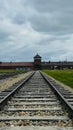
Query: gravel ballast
6	83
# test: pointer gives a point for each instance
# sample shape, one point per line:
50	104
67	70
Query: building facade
37	64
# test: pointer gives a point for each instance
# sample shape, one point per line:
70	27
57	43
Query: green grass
10	71
65	76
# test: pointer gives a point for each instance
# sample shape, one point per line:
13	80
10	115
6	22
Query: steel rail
28	105
67	105
12	92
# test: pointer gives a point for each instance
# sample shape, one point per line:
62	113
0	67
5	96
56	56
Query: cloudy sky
28	27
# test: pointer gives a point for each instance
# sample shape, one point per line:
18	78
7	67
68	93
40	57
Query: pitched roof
37	56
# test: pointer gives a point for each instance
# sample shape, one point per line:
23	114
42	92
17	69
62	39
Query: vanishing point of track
36	101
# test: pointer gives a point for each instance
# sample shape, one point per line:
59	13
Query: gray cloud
31	26
3	36
53	16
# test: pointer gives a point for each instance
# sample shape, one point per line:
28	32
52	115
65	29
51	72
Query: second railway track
35	104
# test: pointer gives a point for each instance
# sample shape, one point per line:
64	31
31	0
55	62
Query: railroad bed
8	75
36	104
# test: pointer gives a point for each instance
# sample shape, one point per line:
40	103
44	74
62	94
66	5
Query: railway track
37	102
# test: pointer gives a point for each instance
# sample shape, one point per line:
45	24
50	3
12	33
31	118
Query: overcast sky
28	27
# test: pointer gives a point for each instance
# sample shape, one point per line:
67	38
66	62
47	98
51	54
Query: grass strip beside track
64	76
11	71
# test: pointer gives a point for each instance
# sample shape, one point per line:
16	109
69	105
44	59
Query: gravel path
6	83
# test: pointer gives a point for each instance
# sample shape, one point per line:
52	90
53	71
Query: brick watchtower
37	62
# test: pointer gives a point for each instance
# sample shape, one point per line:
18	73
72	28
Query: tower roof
37	56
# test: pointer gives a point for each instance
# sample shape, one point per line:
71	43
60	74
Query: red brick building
36	65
